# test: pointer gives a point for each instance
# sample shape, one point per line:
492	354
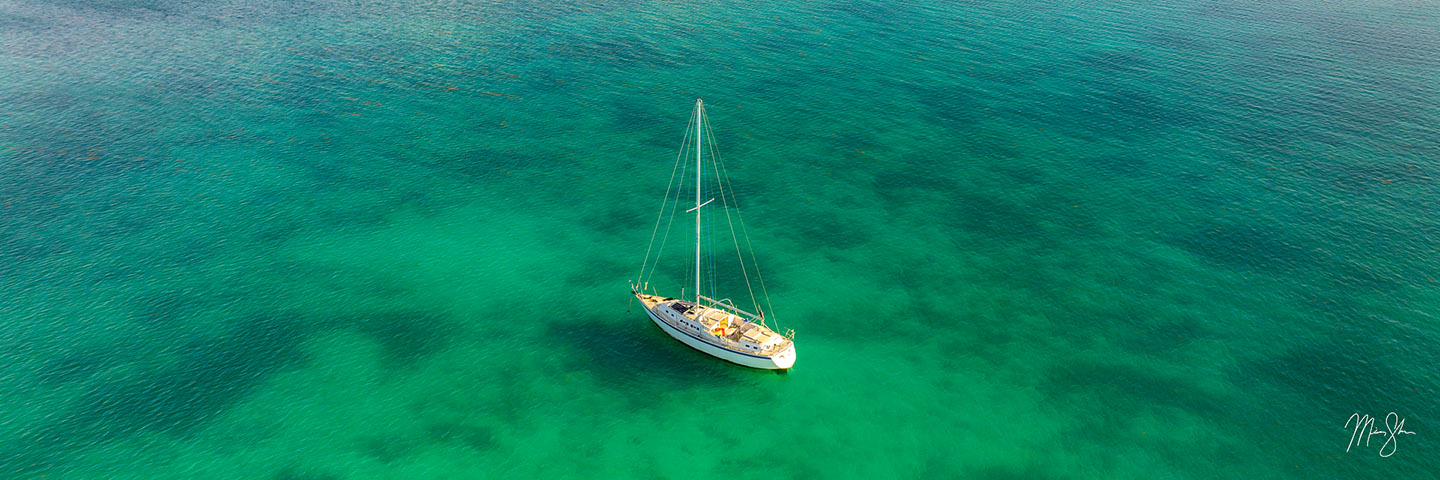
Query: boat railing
734	344
731	305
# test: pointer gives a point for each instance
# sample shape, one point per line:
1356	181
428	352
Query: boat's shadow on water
638	356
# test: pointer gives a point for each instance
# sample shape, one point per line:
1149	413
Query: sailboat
716	327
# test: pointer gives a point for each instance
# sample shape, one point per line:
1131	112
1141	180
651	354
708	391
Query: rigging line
710	243
738	250
708	268
673	206
710	225
664	200
719	167
666	237
765	291
744	271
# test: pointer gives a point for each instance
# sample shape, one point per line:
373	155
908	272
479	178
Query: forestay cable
724	179
661	215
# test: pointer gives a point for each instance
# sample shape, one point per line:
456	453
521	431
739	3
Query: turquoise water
385	239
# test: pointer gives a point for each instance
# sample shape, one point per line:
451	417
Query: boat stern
785	359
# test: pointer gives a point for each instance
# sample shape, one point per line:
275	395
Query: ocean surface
379	239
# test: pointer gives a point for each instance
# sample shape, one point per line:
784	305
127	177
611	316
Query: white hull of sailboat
780	361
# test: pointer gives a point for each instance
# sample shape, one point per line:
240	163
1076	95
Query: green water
386	239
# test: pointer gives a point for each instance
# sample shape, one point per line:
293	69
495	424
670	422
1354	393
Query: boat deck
736	328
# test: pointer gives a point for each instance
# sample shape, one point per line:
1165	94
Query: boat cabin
721	327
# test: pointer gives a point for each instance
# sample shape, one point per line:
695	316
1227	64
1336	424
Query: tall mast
699	119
